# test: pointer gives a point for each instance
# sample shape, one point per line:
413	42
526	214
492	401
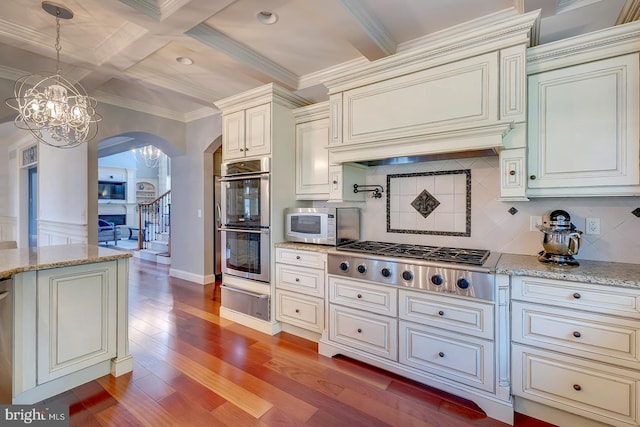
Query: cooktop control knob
386	272
463	283
407	275
362	268
437	279
344	266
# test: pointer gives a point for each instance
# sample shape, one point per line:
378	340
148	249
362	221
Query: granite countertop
597	272
304	246
13	261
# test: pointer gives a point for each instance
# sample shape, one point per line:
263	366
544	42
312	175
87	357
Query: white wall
494	228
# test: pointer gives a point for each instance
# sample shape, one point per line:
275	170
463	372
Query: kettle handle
574	243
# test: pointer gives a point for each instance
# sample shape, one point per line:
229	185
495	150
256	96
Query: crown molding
618	40
630	12
207	35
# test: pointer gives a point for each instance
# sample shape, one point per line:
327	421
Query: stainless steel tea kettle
561	239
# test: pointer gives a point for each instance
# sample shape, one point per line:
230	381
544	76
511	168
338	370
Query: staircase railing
154	220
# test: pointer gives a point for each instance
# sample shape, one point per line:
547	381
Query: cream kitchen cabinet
316	179
583	126
256	120
364	316
247	133
300	290
576	349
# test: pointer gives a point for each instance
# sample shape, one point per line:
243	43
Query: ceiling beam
353	21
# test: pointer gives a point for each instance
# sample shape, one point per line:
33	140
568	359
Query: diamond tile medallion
425	203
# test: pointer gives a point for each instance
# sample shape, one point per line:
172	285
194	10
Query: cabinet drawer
461	358
300	310
595	390
309	281
577	295
605	338
369	332
455	314
301	258
364	295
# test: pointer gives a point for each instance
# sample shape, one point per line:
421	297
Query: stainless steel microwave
322	226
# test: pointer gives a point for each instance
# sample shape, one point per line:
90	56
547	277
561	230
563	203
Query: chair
107	231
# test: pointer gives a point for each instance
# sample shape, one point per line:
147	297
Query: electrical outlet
592	226
533	221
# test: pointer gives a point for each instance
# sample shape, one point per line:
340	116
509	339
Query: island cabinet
583	119
300	291
69	328
316	179
576	348
254	121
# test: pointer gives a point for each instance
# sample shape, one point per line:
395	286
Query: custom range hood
458	93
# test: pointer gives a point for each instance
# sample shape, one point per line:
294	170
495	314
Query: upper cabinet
247	132
583	131
253	120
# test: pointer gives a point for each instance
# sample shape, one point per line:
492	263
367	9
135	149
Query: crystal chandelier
57	111
149	155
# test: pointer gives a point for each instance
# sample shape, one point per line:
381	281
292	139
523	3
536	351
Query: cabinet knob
359	330
577	387
441	354
441	313
577	334
532	177
577	295
512	173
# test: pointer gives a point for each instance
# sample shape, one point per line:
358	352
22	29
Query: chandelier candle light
57	111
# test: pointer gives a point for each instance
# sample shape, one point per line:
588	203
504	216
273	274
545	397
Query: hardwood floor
192	368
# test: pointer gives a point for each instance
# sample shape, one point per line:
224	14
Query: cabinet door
312	160
233	135
258	130
76	325
583	128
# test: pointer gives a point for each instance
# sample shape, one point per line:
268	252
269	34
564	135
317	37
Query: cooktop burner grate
430	253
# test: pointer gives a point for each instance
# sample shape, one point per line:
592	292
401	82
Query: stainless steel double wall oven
245	219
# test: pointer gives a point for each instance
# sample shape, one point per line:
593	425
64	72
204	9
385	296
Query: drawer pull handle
441	313
577	295
577	387
359	330
297	256
441	354
297	310
577	334
359	296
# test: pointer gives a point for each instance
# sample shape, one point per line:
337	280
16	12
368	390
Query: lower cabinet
76	321
576	349
300	290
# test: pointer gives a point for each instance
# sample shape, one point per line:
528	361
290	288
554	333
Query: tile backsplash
494	228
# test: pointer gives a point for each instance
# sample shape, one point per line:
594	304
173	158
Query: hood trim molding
471	139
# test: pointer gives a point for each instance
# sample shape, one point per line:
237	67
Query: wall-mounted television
112	190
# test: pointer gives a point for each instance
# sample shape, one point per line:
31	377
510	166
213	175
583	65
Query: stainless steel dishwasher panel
247	302
6	341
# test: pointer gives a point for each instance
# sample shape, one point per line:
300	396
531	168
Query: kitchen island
70	317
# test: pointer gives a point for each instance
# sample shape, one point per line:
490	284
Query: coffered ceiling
124	51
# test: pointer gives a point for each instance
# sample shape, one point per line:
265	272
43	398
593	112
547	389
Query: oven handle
245	230
243	177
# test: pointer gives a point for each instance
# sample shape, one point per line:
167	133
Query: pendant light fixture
56	110
149	155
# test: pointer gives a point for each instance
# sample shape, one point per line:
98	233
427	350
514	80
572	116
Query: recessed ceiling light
267	17
184	60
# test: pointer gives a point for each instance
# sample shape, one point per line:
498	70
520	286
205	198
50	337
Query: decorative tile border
437	203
